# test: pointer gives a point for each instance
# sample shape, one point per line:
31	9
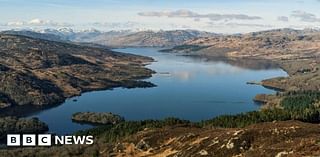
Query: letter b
13	140
29	140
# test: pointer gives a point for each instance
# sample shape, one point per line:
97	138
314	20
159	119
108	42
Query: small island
97	118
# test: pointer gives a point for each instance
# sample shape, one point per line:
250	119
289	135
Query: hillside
290	138
153	39
44	36
42	72
282	44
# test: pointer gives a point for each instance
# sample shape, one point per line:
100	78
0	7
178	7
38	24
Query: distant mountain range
278	44
124	38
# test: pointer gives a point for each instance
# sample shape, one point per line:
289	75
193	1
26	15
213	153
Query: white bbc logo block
29	140
44	140
13	140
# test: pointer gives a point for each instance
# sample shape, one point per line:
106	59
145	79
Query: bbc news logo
46	140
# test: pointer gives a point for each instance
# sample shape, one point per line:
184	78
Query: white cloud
36	22
283	18
234	24
117	25
305	16
197	16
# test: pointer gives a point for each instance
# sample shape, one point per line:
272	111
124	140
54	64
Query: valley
40	72
154	78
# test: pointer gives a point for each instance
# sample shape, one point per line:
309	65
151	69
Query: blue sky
225	16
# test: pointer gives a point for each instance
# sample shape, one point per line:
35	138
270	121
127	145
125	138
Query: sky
221	16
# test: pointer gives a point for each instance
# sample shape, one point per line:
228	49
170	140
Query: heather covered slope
290	138
41	72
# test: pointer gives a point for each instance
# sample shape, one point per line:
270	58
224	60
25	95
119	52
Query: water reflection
252	64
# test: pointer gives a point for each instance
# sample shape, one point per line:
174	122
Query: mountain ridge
125	38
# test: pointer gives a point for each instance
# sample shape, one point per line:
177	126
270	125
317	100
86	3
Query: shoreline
36	108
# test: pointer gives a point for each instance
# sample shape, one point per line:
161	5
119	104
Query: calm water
187	88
